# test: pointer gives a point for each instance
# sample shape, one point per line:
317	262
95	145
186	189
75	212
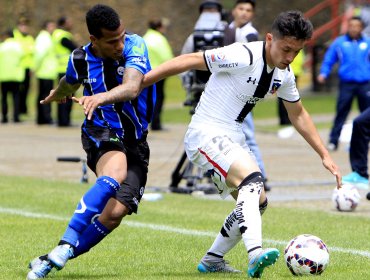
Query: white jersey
242	33
240	78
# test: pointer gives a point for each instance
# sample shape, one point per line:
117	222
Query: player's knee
254	179
112	217
263	206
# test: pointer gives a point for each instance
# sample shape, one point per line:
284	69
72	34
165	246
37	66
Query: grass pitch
167	238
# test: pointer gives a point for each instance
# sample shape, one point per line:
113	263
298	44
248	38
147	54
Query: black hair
99	17
62	21
359	19
252	2
292	24
155	23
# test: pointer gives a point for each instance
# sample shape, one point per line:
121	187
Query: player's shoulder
135	44
132	39
255	49
79	53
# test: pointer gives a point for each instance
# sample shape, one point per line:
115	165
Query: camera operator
208	34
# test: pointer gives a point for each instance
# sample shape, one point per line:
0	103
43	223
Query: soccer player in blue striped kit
110	68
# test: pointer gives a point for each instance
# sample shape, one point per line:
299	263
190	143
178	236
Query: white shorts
215	149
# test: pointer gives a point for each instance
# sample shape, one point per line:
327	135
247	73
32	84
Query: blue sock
91	204
91	236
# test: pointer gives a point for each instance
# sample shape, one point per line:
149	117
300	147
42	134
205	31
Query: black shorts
96	141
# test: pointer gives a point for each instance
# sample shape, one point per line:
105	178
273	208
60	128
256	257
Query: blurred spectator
11	74
64	45
287	130
21	34
242	30
159	51
46	65
359	151
352	52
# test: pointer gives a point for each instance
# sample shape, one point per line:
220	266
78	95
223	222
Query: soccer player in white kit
243	74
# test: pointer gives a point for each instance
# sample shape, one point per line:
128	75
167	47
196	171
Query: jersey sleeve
288	91
77	68
228	59
136	54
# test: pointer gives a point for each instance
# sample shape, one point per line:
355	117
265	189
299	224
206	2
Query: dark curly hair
101	16
292	24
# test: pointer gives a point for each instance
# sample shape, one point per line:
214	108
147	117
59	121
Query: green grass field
166	239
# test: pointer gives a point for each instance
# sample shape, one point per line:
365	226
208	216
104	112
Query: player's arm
305	126
175	66
128	90
61	92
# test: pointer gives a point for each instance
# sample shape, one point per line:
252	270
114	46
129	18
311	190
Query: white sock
228	236
249	217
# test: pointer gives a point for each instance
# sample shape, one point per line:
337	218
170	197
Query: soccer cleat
357	180
219	266
264	259
39	268
60	255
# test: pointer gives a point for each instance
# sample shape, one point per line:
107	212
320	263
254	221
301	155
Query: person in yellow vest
11	74
64	45
22	35
45	67
159	51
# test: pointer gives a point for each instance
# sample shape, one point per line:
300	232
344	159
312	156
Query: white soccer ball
346	198
306	254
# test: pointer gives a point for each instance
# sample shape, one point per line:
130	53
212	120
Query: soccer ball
306	254
346	198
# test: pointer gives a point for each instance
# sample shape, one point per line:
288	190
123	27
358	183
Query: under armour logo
251	81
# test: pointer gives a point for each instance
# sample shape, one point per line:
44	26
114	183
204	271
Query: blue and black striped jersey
128	119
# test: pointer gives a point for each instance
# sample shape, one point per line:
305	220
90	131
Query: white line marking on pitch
169	229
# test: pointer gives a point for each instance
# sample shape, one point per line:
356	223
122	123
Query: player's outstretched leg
262	260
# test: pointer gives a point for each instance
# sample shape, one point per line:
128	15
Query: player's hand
333	168
89	103
54	96
321	79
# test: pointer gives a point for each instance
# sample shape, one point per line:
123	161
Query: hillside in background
135	14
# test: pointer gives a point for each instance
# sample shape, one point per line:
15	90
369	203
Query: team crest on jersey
275	87
120	70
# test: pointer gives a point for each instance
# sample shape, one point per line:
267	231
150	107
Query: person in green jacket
22	35
159	51
11	74
46	70
64	45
